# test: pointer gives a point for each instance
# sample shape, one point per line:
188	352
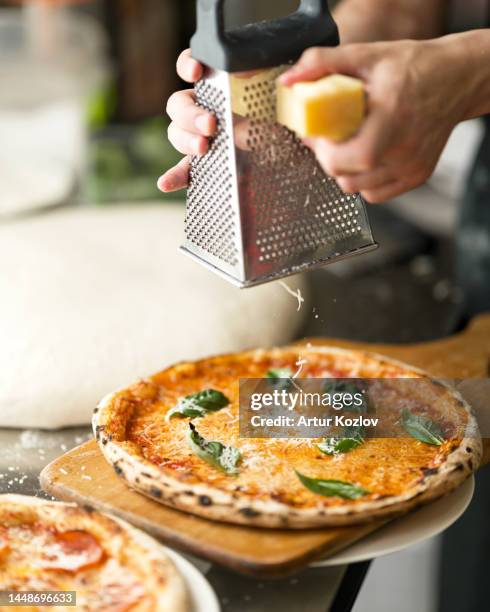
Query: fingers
187	142
369	180
359	155
184	112
318	62
385	193
188	68
176	178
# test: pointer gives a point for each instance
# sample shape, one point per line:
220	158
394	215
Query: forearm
473	50
375	20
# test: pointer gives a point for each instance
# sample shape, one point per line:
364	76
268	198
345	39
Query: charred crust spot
88	508
469	449
435	381
460	467
205	500
145	475
470	464
104	441
96	410
430	471
461	404
155	492
137	480
249	512
119	471
189	493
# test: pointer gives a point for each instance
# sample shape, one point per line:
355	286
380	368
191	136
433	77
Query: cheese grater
259	206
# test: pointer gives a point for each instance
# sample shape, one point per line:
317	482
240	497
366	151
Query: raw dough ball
93	298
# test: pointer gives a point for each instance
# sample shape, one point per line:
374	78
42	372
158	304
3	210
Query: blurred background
82	121
83	88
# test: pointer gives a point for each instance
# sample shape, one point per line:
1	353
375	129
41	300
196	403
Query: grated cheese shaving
296	294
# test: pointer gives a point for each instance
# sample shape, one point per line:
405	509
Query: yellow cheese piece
332	107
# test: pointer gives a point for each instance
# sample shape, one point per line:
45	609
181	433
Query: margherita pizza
175	437
52	546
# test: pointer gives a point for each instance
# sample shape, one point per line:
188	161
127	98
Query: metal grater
259	206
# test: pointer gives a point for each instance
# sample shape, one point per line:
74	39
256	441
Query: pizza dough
93	297
53	546
201	464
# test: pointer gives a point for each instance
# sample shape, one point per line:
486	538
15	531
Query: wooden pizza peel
84	476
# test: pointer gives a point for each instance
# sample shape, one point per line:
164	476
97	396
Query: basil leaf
334	446
332	488
225	458
280	378
337	385
354	431
422	428
199	404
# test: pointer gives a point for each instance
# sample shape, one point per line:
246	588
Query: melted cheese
383	466
41	558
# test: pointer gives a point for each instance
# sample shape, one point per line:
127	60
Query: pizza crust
213	503
146	554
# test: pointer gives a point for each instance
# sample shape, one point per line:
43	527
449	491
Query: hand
191	125
416	95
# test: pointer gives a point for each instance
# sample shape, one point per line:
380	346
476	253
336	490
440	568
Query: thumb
318	62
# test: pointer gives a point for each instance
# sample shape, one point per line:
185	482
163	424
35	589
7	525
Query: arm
375	20
475	49
417	90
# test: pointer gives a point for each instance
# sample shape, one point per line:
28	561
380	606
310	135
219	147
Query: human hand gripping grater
259	206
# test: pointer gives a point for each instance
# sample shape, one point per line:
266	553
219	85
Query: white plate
202	596
415	527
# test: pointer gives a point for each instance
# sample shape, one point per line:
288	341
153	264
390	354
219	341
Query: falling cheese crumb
296	294
332	107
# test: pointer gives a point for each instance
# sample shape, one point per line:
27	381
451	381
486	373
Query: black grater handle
264	44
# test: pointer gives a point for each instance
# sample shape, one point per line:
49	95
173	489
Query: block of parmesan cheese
332	107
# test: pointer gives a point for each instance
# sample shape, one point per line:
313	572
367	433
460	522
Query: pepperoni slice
71	551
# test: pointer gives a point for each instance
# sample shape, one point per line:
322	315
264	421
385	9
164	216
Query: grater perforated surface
298	207
259	205
210	221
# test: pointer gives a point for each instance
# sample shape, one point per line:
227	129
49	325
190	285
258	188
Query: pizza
175	437
112	567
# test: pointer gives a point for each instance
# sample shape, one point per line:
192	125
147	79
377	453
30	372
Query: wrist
467	57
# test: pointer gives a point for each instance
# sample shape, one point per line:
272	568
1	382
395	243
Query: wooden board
84	476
